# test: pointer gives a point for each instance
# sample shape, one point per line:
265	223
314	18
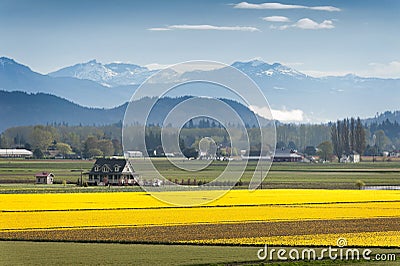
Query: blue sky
317	37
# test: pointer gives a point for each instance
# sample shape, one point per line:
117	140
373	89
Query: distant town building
112	172
353	157
255	158
281	155
15	153
287	155
133	154
44	178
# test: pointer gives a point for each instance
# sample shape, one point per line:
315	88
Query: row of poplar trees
347	136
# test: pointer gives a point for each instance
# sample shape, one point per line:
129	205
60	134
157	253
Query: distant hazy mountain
20	108
258	68
326	98
379	118
17	77
319	99
109	75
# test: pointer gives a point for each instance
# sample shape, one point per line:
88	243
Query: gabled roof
9	152
287	153
110	163
43	174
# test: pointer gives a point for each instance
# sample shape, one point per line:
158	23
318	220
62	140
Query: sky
317	37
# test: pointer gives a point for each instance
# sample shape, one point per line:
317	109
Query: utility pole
374	152
261	177
81	171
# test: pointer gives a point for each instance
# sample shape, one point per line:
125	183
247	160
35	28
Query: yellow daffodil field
240	217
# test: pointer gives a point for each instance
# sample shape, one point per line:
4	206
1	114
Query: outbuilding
44	178
15	153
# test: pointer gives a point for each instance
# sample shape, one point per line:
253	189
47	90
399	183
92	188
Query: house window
116	168
105	169
96	168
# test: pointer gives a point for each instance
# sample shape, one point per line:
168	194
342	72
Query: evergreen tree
359	137
352	134
336	139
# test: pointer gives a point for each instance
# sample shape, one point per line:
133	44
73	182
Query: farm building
112	172
287	155
15	153
353	157
44	178
256	158
133	154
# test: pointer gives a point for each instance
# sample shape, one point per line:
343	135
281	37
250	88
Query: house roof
43	174
10	152
287	153
110	164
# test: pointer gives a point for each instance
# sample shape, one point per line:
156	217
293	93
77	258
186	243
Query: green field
18	175
55	253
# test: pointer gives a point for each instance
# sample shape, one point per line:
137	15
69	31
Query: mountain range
85	92
109	75
94	84
21	108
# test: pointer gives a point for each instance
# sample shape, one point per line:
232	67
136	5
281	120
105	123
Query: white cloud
307	24
279	88
318	74
374	70
156	66
276	19
158	29
383	70
205	27
246	5
295	115
292	64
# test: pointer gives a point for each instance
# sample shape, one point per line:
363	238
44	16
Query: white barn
13	153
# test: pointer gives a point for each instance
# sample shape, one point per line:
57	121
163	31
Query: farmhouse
44	178
15	153
112	172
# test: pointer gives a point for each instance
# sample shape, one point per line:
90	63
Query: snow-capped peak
259	68
7	61
256	62
109	75
4	60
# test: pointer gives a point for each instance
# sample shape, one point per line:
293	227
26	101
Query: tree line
345	136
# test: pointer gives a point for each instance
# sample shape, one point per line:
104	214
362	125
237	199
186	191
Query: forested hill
383	117
20	109
23	109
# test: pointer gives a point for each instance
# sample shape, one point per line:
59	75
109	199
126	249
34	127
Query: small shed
44	178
